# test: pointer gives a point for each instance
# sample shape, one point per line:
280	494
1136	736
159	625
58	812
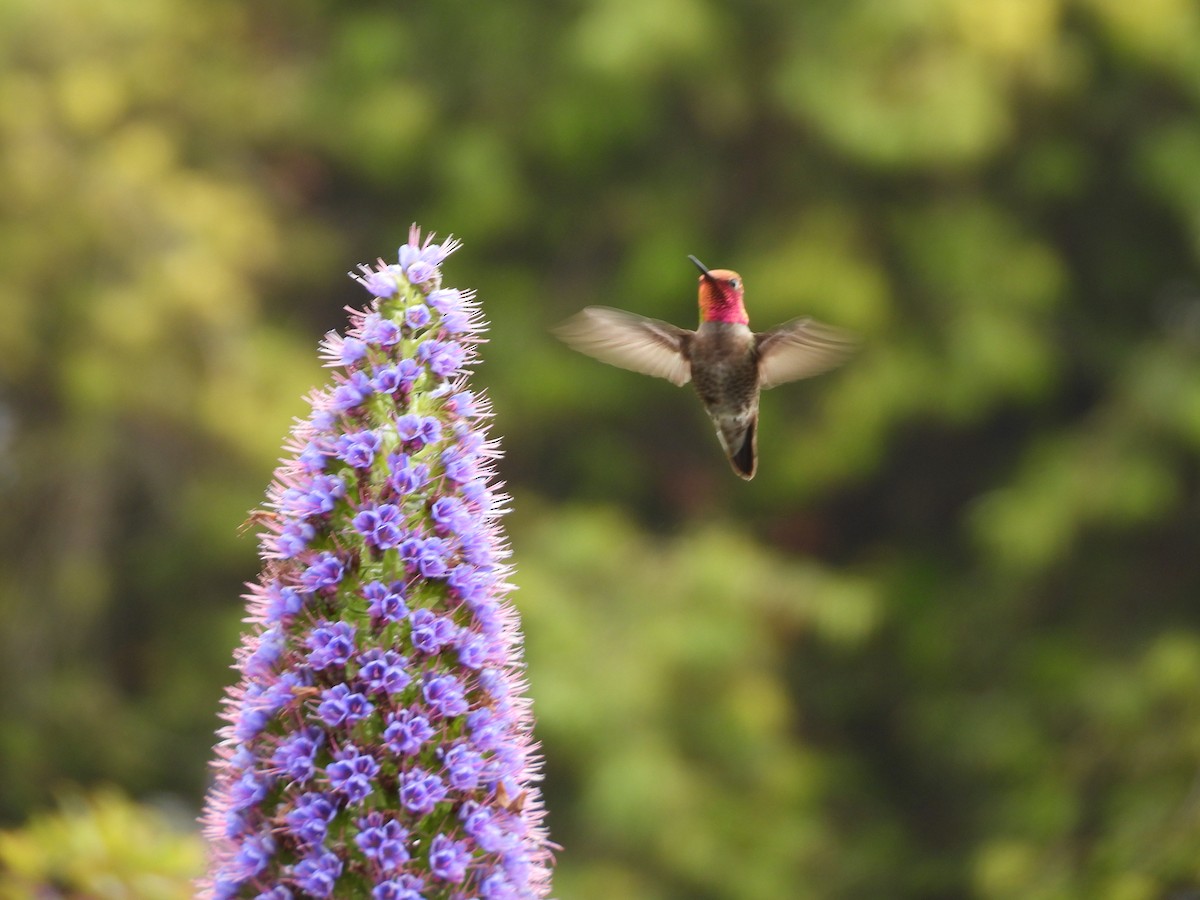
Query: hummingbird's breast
724	367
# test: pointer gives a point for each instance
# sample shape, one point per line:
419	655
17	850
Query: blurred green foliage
103	847
946	644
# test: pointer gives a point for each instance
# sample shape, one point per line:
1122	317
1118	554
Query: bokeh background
946	645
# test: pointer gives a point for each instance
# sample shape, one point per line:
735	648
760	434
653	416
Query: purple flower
325	491
386	380
312	458
419	430
474	652
262	700
351	393
382	283
464	767
247	791
487	614
254	855
417	316
309	820
352	774
444	358
446	300
495	684
294	539
448	859
497	887
342	706
330	645
295	755
316	498
384	671
406	477
325	572
253	721
460	464
430	556
431	632
381	331
462	404
477	494
485	728
468	583
428	253
318	873
381	525
450	514
421	271
406	732
260	662
431	430
421	791
457	322
323	419
404	887
410	371
376	733
445	695
471	442
481	824
281	603
385	602
353	350
357	449
383	841
477	549
236	825
401	376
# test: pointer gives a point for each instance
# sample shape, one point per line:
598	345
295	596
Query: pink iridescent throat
719	306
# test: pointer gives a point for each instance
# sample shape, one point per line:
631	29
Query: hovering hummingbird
728	363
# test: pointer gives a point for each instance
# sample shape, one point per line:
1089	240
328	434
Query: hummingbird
726	362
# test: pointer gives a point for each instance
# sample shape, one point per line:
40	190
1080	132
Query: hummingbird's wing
798	349
630	341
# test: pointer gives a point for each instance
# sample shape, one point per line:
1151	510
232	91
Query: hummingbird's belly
724	370
725	387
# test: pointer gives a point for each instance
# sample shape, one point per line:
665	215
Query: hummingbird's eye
734	283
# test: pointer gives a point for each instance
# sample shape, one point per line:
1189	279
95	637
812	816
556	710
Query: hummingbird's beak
701	266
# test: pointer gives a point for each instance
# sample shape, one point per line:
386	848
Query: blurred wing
630	341
798	349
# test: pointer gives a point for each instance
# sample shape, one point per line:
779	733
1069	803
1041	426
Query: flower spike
379	733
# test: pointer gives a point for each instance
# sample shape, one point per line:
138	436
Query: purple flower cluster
378	741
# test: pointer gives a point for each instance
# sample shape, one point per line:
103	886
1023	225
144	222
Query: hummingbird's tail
743	452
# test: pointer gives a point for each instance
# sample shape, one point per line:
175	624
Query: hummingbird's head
721	293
